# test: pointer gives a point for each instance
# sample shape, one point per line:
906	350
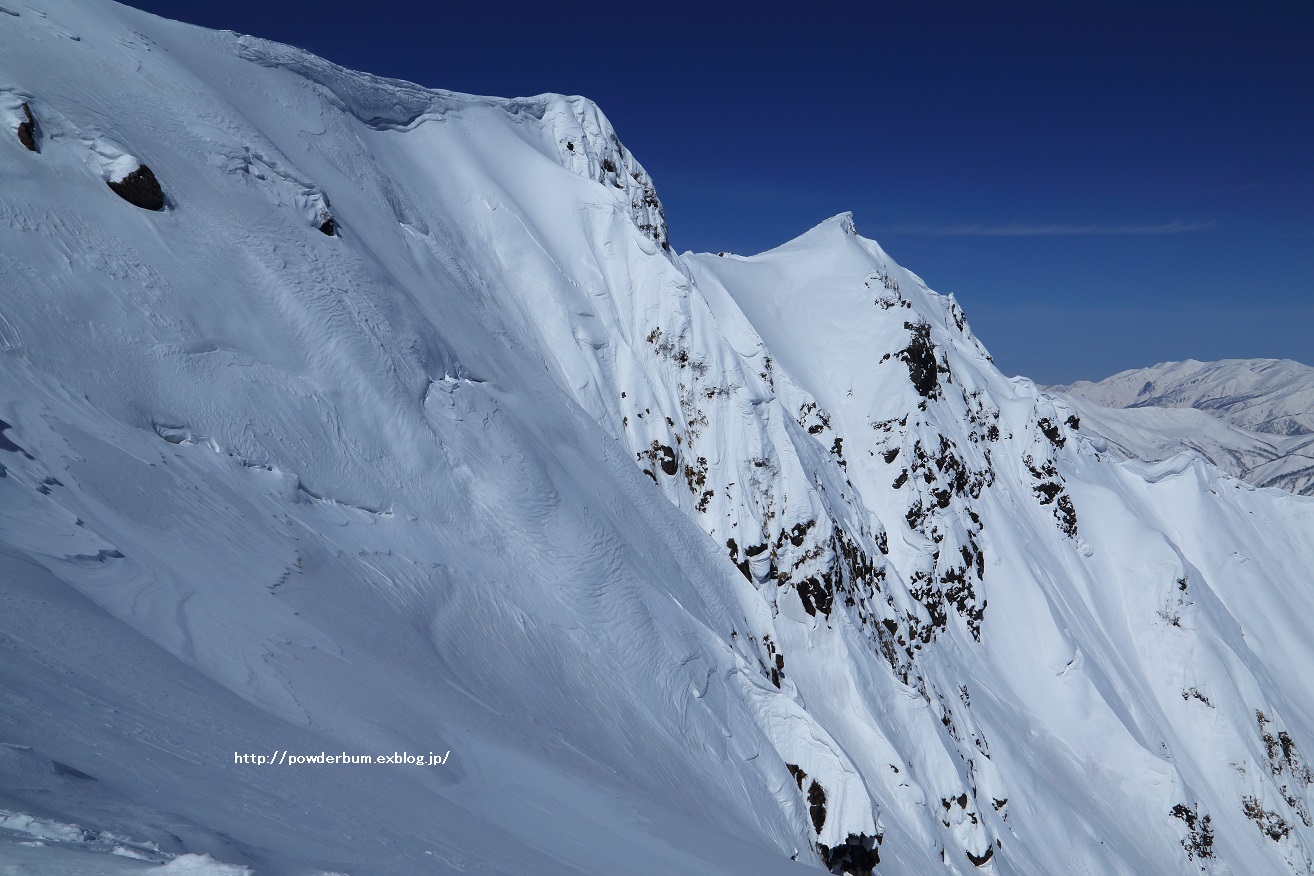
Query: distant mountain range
1260	423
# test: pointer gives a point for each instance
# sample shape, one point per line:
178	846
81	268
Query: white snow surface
1260	423
692	564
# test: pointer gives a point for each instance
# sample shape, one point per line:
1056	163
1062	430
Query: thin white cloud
1018	229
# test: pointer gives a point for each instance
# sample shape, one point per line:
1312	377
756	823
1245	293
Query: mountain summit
380	494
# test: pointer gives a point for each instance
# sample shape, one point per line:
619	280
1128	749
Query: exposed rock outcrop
27	131
140	188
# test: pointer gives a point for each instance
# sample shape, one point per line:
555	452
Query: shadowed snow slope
400	429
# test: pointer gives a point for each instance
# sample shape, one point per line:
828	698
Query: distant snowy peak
1275	396
1253	418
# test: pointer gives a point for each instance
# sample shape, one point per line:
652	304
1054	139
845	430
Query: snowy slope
400	429
1260	428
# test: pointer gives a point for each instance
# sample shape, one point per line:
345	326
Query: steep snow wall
400	427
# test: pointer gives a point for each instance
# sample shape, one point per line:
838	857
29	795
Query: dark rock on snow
27	133
856	856
140	188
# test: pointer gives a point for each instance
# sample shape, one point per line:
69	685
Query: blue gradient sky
1103	186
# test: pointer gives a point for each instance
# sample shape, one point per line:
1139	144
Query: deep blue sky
1102	185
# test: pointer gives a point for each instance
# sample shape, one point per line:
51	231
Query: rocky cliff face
692	563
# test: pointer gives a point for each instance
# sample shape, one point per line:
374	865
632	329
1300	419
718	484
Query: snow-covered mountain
1273	396
398	428
1260	423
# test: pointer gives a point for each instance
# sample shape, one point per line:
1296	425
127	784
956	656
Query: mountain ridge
694	563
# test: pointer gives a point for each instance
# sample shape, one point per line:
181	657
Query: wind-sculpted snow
400	429
572	129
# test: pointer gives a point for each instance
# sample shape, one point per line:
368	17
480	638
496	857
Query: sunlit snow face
685	563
